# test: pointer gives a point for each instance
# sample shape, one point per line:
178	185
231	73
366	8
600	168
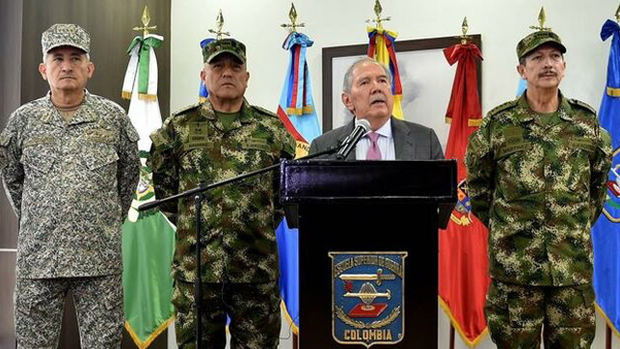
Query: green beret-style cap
217	47
535	39
65	35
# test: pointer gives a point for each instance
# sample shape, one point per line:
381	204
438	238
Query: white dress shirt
385	143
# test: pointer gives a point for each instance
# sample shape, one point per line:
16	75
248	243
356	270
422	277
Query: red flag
463	260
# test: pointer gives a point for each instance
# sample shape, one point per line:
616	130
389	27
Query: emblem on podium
368	297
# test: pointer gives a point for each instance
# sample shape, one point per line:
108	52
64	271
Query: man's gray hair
348	76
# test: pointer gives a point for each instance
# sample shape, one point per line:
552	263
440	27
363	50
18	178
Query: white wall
501	23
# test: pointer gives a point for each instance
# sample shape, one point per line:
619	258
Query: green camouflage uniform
538	183
71	186
194	146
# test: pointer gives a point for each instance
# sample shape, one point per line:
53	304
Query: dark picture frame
330	53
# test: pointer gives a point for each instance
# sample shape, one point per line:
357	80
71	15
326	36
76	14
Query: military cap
217	47
535	39
65	35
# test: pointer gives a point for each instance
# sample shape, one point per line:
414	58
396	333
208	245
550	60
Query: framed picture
425	74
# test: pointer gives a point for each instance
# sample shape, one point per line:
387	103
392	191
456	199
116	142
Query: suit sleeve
128	173
163	163
11	169
600	170
436	151
480	172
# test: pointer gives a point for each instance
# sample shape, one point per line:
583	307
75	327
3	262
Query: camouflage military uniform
538	183
71	186
240	251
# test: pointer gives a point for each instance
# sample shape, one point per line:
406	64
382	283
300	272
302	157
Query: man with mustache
69	163
537	169
367	94
206	143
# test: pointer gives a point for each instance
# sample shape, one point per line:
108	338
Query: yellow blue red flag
381	48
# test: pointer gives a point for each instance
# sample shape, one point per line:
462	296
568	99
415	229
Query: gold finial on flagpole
219	23
464	27
146	19
618	14
379	21
542	18
292	15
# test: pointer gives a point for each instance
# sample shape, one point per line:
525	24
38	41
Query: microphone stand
198	198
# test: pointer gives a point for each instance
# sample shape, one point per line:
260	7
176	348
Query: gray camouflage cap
535	39
217	47
65	35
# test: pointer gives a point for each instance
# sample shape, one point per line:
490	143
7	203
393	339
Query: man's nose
66	65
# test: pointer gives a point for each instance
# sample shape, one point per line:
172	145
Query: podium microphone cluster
361	127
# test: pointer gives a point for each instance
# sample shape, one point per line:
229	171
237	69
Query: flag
298	113
148	237
606	230
463	261
381	48
521	88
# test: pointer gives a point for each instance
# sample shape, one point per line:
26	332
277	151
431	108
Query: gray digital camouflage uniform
240	254
538	183
71	186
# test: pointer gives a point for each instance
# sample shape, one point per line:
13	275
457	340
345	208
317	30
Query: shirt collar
386	129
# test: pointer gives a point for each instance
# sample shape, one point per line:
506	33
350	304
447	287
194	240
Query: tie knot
373	136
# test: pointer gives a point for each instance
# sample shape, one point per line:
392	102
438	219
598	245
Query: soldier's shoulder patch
582	105
159	137
502	107
264	111
186	109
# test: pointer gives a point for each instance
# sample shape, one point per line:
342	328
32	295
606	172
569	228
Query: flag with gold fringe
463	261
148	237
381	48
606	230
298	113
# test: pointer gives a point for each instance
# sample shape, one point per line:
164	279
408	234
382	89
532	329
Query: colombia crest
368	297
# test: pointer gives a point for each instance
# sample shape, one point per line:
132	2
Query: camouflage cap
65	35
535	39
217	47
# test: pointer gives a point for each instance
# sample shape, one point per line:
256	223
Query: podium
368	249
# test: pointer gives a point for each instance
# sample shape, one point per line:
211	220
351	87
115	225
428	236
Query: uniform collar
85	113
526	114
208	112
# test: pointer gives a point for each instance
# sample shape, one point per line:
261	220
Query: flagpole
607	337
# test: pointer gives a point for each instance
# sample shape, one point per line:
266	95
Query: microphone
361	127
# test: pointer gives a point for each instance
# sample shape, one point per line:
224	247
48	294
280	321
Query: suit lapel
404	148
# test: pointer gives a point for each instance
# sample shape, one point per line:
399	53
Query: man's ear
90	69
203	75
43	71
521	70
346	100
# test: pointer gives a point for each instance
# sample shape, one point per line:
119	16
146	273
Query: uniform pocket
100	157
37	160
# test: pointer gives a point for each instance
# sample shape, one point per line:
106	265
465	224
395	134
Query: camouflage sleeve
162	162
599	172
480	172
128	164
11	169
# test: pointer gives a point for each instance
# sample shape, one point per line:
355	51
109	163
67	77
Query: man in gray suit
367	94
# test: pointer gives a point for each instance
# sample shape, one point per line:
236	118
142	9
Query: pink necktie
374	153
